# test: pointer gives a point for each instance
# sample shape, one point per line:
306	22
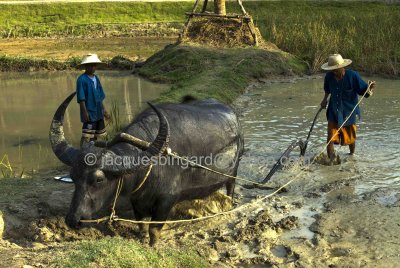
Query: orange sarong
346	136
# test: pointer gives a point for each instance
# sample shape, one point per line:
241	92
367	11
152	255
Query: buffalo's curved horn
61	148
157	147
160	144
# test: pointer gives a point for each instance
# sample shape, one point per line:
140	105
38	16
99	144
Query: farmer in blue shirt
344	86
90	96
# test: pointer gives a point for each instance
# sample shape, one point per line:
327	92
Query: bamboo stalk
217	15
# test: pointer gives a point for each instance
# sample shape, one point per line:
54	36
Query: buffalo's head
95	171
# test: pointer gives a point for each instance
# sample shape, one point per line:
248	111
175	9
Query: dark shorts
95	129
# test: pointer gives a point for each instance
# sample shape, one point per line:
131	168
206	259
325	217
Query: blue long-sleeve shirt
93	97
344	96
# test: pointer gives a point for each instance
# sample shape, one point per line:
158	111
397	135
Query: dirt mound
224	32
215	203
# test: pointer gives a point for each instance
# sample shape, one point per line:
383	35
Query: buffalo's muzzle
73	222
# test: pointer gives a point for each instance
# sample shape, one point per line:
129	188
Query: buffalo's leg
160	213
155	233
143	227
230	188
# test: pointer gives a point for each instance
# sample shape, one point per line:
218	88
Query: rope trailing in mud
214	171
113	216
125	137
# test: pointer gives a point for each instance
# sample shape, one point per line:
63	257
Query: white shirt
93	78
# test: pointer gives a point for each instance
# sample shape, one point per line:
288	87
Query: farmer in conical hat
343	85
90	96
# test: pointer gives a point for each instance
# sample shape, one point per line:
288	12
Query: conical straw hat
335	61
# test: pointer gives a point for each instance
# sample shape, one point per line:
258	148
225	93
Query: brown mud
347	231
319	221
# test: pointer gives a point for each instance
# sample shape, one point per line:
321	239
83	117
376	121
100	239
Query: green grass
366	32
20	64
222	74
118	252
6	169
73	19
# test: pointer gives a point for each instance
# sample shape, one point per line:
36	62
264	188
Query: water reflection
29	100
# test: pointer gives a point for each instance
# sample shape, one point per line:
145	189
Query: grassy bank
367	32
23	64
222	74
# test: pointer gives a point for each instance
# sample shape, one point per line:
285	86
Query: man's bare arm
106	114
85	113
324	101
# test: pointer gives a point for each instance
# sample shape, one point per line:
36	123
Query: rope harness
114	218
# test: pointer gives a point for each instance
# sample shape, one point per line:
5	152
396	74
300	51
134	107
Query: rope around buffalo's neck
117	193
144	179
113	216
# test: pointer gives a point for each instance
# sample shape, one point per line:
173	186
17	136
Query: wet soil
345	230
321	220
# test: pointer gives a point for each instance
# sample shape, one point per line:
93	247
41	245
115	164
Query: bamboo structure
220	12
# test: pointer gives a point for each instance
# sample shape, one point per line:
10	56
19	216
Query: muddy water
281	112
346	213
29	100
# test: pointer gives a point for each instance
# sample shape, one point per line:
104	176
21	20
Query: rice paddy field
54	35
366	32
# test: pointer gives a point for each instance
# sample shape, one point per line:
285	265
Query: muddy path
330	216
323	224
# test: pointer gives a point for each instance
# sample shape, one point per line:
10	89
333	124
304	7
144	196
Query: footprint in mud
340	252
279	251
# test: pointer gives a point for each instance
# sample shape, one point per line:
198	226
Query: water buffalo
192	128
